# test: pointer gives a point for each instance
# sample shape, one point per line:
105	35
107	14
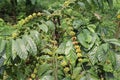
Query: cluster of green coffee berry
24	21
65	66
33	75
30	17
75	43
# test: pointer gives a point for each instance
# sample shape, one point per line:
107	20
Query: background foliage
59	40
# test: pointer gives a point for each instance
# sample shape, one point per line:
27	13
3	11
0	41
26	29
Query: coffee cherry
26	19
50	53
66	69
70	28
21	22
35	70
66	3
80	60
77	47
108	61
118	16
54	42
63	63
29	79
75	43
14	35
60	57
79	55
78	50
72	33
34	14
74	38
33	75
38	14
30	17
37	64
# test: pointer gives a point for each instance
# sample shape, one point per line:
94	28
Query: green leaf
70	53
81	39
89	1
33	2
30	44
45	57
2	46
72	57
43	27
50	25
113	41
20	75
102	52
14	52
96	3
47	77
46	50
42	69
21	49
91	27
6	31
76	72
1	61
88	38
9	49
67	78
110	3
91	77
117	57
68	47
92	72
92	55
82	5
35	35
112	57
108	67
84	38
61	48
93	41
100	3
77	23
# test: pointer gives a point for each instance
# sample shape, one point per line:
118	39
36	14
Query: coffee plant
62	40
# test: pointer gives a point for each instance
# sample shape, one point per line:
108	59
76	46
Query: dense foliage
59	40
